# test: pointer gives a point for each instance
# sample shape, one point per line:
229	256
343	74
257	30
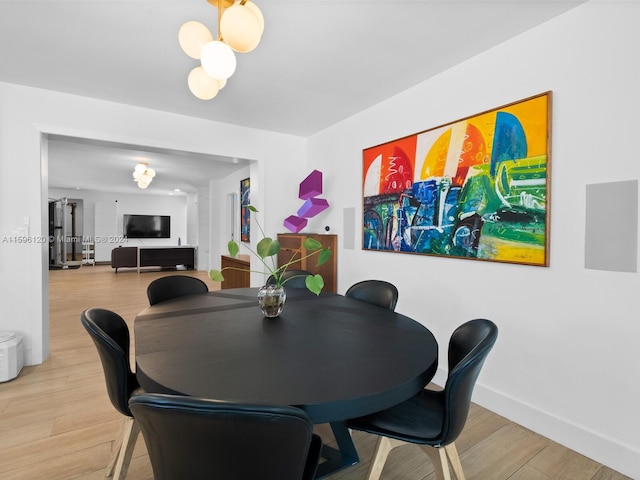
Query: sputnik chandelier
240	27
143	174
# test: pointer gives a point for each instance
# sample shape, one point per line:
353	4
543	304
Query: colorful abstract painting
245	213
476	188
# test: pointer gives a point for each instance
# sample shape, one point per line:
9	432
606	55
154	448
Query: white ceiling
93	165
319	61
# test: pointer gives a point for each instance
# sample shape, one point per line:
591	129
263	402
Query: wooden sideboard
235	278
291	247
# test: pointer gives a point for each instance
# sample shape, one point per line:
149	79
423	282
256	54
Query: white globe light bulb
202	85
240	28
218	60
254	8
192	36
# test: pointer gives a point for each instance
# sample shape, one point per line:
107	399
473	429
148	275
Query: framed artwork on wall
245	224
476	188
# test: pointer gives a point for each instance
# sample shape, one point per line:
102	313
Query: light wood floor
56	421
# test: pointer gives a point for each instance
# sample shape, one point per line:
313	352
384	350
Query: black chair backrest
376	292
110	334
194	438
298	282
172	286
469	346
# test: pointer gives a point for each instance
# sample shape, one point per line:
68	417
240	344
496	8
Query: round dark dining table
332	356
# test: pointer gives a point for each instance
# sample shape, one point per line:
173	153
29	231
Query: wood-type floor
56	421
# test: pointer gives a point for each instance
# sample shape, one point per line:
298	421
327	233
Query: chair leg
114	457
454	460
130	431
116	449
380	454
439	459
442	457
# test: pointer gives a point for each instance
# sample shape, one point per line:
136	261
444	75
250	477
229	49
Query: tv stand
167	257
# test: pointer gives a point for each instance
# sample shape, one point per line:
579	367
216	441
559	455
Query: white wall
224	188
28	114
203	212
567	357
192	218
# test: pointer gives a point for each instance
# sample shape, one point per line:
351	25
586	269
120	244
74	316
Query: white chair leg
454	460
438	457
128	443
380	454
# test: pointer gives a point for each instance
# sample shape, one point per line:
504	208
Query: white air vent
11	355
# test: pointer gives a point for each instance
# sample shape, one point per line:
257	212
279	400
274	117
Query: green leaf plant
267	250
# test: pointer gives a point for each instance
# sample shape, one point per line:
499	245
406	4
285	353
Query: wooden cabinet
235	278
167	257
138	257
291	248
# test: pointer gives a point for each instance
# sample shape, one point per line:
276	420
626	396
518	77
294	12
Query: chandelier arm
220	8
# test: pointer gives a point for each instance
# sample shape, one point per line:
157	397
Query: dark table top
333	356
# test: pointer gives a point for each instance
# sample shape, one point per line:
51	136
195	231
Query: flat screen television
146	226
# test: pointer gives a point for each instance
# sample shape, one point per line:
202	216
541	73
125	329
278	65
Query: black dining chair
376	292
173	286
195	438
110	335
294	278
434	419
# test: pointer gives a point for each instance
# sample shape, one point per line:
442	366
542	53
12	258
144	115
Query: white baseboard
607	451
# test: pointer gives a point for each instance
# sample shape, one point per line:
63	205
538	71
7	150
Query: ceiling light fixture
240	27
143	174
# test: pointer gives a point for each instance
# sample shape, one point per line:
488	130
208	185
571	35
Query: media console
165	257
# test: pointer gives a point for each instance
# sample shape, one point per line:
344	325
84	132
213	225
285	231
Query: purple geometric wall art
295	224
309	190
311	186
312	207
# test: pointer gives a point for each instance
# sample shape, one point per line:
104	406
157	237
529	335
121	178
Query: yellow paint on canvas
441	156
532	114
436	158
501	250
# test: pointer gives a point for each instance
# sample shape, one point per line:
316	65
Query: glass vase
271	299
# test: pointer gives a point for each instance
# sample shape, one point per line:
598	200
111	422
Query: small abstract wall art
245	213
476	188
309	190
